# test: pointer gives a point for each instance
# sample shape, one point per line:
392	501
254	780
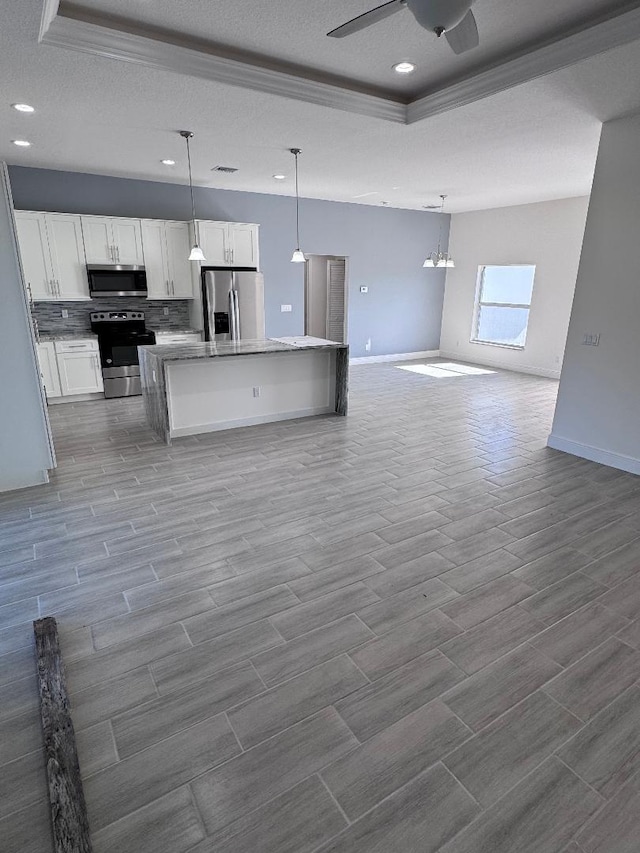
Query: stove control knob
109	361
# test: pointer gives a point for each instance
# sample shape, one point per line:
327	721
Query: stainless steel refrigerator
233	305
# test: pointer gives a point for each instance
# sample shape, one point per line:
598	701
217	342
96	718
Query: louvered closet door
336	296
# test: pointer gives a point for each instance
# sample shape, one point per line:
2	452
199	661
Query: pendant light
298	256
439	258
196	252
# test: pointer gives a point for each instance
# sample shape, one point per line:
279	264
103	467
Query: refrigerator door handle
233	311
211	307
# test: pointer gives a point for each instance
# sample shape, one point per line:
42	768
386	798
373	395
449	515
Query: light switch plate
286	309
364	289
592	339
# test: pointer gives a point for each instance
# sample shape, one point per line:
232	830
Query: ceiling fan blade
465	36
369	18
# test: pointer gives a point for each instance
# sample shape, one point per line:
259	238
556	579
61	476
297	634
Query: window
502	305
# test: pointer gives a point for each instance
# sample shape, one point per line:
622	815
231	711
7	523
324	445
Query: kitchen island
190	389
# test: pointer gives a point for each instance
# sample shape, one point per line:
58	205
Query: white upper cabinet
127	240
178	250
67	255
52	250
34	251
98	240
155	258
166	259
229	244
112	240
214	242
243	245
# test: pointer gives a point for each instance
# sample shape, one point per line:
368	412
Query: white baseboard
595	454
197	429
487	362
403	356
75	398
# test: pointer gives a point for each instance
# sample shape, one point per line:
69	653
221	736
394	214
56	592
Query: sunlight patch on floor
445	371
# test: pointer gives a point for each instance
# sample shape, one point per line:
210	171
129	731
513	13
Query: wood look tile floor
414	629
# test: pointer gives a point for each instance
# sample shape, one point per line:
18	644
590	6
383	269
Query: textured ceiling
295	32
534	142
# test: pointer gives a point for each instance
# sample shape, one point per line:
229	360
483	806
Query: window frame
479	304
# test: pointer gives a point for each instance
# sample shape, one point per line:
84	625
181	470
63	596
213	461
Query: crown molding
59	27
100	40
597	37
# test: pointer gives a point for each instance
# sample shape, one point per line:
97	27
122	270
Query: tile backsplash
51	322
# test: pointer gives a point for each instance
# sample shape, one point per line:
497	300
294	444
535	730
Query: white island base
203	388
234	392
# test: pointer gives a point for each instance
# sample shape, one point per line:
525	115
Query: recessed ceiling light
404	68
22	143
168	162
23	108
280	177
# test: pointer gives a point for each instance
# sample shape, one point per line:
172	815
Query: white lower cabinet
178	338
79	367
49	369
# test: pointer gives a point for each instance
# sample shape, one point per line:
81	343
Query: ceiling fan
452	19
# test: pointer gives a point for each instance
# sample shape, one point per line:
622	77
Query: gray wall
598	409
24	447
402	311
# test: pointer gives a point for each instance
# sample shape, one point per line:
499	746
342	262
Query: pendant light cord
295	152
297	208
193	203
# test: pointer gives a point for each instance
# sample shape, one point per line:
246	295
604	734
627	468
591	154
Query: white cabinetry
52	251
79	367
166	258
243	245
229	244
163	338
112	240
49	369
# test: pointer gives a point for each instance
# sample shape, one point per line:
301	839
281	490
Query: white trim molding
70	26
487	362
403	356
220	426
595	454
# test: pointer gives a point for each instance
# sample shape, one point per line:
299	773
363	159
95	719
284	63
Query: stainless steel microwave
116	280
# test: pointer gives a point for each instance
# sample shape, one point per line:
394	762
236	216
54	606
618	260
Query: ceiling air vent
227	170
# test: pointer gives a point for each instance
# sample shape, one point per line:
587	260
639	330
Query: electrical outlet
65	314
367	346
165	311
286	309
591	339
256	391
364	289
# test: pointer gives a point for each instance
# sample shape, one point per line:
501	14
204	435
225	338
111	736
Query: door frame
307	277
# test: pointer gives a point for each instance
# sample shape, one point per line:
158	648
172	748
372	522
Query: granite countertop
70	336
187	352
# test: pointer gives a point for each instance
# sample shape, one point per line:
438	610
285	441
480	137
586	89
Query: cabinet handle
30	293
166	285
232	255
58	291
173	289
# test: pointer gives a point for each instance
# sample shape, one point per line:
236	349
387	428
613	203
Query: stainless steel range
120	333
